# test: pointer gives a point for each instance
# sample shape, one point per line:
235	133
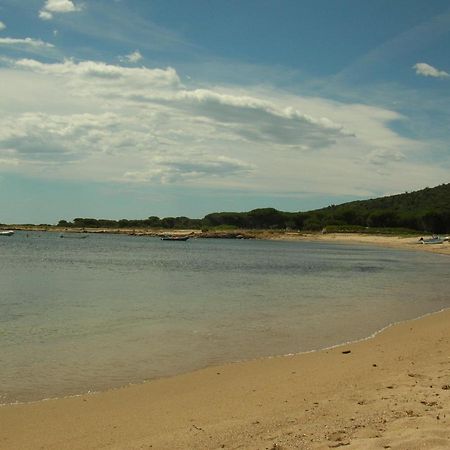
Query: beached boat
6	233
432	240
175	238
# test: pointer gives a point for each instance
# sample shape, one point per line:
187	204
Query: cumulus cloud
57	6
106	122
49	138
426	70
176	168
2	26
132	57
45	15
251	104
28	42
137	77
250	118
62	6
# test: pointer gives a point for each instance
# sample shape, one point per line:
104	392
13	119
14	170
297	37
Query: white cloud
25	42
2	26
45	15
180	167
426	70
382	156
137	77
57	6
133	57
104	122
61	6
46	138
250	104
277	123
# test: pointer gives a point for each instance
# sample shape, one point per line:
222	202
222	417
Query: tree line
427	210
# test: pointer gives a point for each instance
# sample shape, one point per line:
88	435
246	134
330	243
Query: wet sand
390	391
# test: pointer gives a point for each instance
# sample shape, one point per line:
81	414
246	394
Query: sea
93	312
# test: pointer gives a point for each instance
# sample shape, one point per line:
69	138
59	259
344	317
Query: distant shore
400	241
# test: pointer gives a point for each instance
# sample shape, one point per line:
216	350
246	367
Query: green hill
427	210
424	210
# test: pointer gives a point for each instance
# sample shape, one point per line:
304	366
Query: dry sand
391	391
401	242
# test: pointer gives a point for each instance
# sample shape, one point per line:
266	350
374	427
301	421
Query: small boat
73	237
6	233
432	240
175	238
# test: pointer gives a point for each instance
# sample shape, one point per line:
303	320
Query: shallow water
95	313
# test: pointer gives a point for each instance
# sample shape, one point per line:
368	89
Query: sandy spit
393	241
391	391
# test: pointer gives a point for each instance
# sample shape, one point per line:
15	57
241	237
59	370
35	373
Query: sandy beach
389	391
401	242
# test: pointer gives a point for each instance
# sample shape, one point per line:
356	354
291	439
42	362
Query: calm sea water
79	315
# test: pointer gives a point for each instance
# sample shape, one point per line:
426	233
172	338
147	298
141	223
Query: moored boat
6	233
175	238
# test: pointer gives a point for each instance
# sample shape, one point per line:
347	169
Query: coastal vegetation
427	210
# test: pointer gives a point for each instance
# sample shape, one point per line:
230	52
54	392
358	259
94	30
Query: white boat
6	233
432	240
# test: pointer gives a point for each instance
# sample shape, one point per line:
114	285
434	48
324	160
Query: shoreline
405	242
224	364
327	381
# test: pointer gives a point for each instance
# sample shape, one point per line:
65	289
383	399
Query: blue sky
132	108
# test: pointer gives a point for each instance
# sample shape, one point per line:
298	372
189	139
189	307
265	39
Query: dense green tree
426	210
